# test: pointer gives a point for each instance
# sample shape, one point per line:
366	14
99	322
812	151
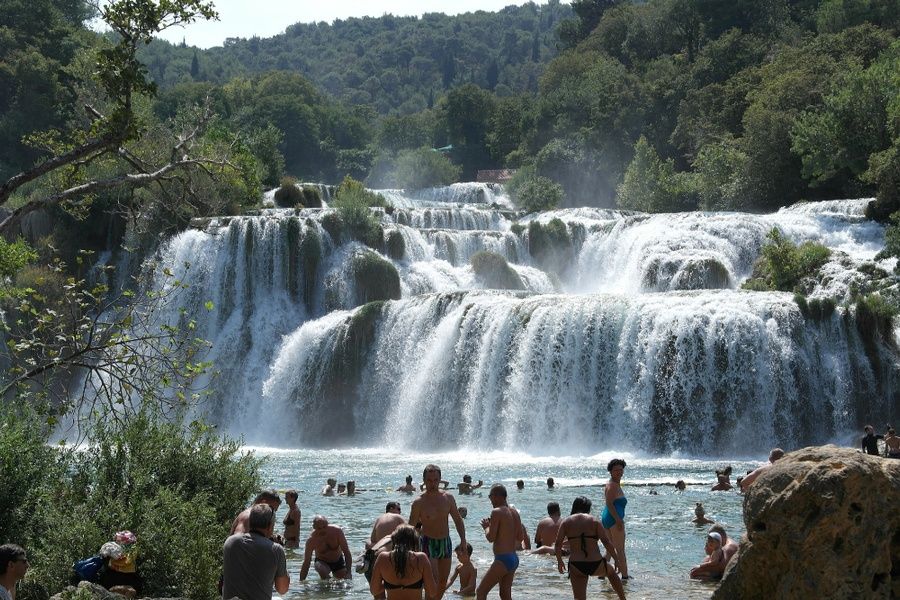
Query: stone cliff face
822	522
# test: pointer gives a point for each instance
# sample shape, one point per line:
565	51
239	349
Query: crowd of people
405	559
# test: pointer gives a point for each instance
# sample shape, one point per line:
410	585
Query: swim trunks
437	548
510	560
338	565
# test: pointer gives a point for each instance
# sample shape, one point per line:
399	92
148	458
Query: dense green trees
392	63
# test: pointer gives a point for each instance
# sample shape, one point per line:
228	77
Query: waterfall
617	330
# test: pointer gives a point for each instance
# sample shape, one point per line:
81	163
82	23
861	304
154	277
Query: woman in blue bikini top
404	572
613	517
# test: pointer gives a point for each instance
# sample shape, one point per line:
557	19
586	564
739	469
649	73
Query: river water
662	543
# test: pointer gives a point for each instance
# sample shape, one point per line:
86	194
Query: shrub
353	200
802	304
288	195
494	272
176	485
311	197
783	264
423	168
537	194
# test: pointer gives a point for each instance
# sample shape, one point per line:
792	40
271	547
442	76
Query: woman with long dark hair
404	572
585	534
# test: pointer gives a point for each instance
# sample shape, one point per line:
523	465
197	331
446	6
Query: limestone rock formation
822	523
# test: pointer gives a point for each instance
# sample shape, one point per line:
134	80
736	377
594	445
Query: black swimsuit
411	586
588	567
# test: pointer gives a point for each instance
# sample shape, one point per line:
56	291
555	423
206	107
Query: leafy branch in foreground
96	353
120	80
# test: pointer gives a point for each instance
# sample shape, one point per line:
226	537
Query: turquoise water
662	543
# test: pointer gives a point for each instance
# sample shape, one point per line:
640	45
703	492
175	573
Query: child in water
465	570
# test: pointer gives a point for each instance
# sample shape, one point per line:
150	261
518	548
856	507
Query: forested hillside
396	64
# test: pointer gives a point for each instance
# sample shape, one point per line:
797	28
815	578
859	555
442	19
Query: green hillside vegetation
398	65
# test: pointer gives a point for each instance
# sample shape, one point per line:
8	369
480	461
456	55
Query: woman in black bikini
404	571
584	531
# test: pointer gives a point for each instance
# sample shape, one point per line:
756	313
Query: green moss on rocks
332	223
396	245
550	245
493	271
374	278
288	195
311	197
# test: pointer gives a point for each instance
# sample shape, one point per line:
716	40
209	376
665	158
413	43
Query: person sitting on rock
747	481
714	563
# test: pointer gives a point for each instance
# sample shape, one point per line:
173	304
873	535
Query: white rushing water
628	330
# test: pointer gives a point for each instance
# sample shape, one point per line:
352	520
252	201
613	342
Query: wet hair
391	505
552	508
261	516
467	478
727	471
409	479
717	528
680	485
520	484
581	505
468	548
429	468
615	463
270	495
550	482
699	510
498	489
331	481
8	554
405	540
291	494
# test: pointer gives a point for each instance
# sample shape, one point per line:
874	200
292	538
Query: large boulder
821	523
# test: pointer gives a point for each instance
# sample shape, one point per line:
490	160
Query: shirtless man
892	443
547	528
331	549
387	523
409	488
241	523
330	484
502	529
431	510
747	481
466	487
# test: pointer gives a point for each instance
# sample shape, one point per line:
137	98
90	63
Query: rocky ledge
822	523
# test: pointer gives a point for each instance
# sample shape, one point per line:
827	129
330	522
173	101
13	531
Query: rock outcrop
86	589
821	523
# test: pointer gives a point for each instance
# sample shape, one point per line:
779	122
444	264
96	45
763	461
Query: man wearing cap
747	481
714	563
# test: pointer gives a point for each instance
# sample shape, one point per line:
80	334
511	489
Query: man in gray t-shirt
253	562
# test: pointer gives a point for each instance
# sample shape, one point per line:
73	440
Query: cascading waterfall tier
628	330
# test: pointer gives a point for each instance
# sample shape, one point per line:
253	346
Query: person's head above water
550	482
552	508
520	484
680	485
467	478
581	505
